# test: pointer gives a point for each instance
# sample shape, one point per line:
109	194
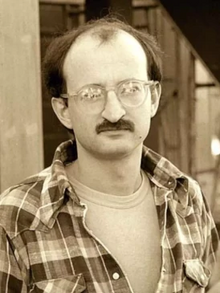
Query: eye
131	87
91	94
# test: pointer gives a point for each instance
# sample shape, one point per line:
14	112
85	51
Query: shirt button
116	276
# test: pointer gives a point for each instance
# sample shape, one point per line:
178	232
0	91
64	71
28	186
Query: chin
115	152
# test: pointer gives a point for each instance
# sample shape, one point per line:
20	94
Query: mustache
121	124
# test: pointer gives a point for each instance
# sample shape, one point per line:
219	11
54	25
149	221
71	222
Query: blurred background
186	129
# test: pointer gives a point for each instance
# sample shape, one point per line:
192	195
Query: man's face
90	62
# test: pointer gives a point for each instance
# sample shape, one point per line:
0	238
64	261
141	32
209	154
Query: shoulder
187	193
165	174
20	203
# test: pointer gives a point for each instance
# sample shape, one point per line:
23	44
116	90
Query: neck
119	176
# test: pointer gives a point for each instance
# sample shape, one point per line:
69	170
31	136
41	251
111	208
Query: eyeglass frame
112	88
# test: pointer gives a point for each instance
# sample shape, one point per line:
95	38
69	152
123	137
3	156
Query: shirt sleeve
212	248
11	279
210	234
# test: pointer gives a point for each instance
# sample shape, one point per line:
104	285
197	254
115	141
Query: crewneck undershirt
128	228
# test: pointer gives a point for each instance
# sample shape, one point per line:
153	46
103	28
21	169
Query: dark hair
104	28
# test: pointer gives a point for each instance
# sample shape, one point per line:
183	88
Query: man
109	215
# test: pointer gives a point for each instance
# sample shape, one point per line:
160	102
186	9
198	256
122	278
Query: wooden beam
74	2
21	150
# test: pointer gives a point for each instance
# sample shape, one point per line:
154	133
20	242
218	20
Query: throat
115	178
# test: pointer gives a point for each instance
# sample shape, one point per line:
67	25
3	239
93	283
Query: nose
113	110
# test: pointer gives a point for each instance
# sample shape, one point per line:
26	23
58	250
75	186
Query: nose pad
113	110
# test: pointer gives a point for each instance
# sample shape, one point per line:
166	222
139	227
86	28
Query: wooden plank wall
21	151
176	129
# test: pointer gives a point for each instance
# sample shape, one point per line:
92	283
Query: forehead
100	38
93	56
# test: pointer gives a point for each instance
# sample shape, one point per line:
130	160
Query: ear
62	111
155	98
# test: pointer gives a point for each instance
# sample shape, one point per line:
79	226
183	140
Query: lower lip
114	132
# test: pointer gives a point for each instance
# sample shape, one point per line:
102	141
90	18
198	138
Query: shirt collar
56	188
167	176
161	171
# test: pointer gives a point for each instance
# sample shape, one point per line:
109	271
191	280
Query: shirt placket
162	217
118	280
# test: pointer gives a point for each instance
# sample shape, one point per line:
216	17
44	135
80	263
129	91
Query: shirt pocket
68	284
197	275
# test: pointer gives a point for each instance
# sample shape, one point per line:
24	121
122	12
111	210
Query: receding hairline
104	34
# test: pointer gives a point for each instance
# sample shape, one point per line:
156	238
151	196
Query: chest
70	256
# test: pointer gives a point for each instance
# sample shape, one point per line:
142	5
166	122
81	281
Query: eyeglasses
92	97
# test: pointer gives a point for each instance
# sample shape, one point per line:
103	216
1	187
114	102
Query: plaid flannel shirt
45	245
